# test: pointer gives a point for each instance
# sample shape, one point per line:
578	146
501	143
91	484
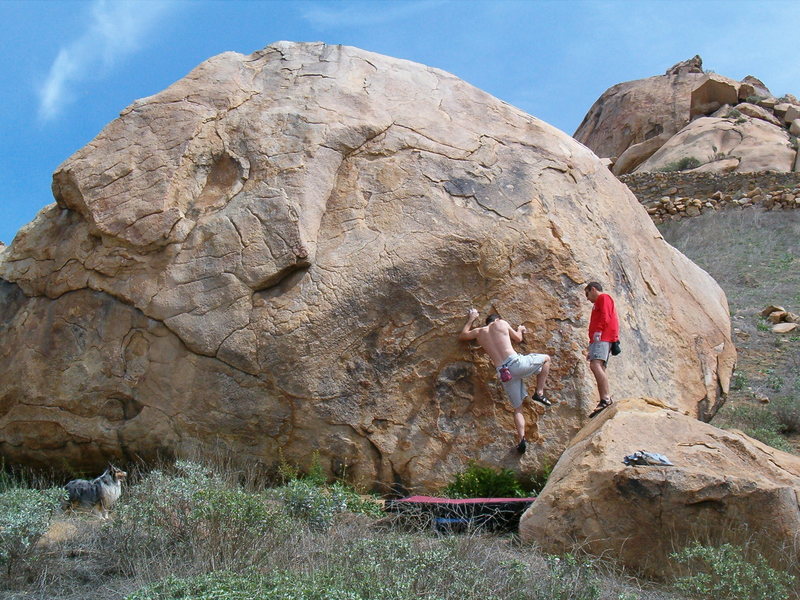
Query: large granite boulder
724	486
714	142
276	253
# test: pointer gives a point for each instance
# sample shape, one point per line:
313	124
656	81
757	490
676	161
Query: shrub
787	412
24	519
570	579
385	568
683	164
318	505
724	572
194	516
758	423
755	99
484	482
738	381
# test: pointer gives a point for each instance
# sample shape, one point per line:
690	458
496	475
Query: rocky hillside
688	119
276	253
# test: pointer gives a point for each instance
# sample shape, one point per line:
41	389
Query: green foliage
757	422
192	512
318	505
570	579
724	573
738	381
384	568
484	482
683	164
787	412
24	519
755	99
539	480
733	114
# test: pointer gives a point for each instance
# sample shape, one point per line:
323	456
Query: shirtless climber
495	338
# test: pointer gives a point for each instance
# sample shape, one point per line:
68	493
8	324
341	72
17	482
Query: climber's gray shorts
520	365
599	351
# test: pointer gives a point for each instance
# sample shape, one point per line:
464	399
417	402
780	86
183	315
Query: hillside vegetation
755	256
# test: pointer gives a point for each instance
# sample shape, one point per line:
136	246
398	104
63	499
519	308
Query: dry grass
755	256
167	524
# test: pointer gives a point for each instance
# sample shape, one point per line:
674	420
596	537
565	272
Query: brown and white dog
99	494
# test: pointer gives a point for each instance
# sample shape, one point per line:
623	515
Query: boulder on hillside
276	254
691	65
712	93
724	486
757	112
634	112
759	88
713	142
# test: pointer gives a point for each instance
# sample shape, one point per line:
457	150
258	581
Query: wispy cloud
115	29
358	14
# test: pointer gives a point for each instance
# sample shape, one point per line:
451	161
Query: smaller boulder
780	110
724	485
692	65
758	86
794	127
712	94
777	316
792	113
756	112
784	327
771	309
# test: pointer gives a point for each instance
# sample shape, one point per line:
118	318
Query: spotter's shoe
522	446
601	406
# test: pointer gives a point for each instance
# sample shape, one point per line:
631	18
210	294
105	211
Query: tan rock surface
724	485
634	112
757	145
715	91
757	112
277	252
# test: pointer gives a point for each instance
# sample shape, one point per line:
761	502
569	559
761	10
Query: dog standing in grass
99	494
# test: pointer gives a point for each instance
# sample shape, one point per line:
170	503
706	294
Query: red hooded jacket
604	319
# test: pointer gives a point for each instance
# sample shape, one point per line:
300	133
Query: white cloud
116	29
359	14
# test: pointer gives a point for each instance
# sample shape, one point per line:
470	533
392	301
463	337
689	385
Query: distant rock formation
723	485
277	252
648	124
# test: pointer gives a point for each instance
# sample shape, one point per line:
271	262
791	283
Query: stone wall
672	196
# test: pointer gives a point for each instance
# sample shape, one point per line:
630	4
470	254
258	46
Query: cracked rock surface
278	251
724	486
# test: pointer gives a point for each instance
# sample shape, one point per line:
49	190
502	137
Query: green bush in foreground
724	573
193	515
484	482
317	505
24	519
394	568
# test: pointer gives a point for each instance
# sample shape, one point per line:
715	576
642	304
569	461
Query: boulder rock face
634	112
636	123
715	142
724	486
276	253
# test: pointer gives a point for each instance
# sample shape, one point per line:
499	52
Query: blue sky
70	66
